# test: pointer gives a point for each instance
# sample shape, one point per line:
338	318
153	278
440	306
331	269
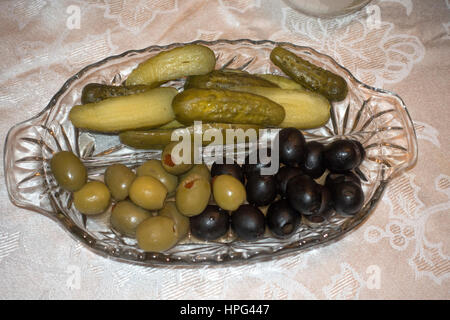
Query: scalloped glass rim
276	247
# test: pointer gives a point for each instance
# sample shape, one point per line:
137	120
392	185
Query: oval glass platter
377	118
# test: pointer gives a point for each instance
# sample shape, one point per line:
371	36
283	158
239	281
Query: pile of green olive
140	197
153	202
160	203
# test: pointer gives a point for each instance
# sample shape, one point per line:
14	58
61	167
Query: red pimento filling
168	160
189	184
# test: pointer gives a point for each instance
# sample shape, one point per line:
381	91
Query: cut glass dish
375	117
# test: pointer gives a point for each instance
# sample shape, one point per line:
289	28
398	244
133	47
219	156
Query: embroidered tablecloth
401	251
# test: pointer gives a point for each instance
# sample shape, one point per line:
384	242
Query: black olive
282	219
291	146
284	175
248	222
333	178
325	210
326	206
347	197
227	167
253	164
304	194
313	164
211	224
362	152
261	190
343	155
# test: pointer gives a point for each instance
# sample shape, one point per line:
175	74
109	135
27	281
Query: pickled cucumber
304	109
173	64
216	105
95	92
146	139
312	77
282	82
149	109
159	138
226	78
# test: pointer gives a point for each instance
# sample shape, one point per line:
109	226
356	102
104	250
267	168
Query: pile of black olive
290	194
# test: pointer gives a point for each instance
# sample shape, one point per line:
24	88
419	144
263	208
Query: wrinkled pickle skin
173	64
216	105
314	78
222	79
95	92
303	109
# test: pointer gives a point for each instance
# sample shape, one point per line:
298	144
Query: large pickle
173	64
149	109
216	105
95	92
224	79
304	109
159	138
312	77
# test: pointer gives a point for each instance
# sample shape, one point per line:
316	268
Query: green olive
168	160
148	193
69	171
199	169
92	198
155	169
118	178
229	193
192	195
181	222
156	234
126	216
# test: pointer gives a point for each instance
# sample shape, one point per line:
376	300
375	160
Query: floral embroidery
136	15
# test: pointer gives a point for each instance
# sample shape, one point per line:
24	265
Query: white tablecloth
401	251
